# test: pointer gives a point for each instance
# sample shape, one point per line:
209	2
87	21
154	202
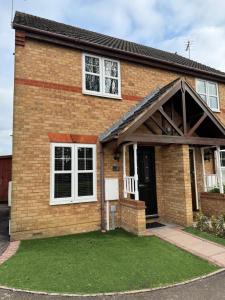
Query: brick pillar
132	216
176	186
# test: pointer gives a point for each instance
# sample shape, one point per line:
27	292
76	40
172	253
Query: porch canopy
172	114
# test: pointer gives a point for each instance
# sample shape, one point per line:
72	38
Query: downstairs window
73	173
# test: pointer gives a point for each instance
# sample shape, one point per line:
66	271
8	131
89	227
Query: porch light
208	155
117	156
169	130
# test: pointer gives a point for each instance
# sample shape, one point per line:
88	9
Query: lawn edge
203	239
115	293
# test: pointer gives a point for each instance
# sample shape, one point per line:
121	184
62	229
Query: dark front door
146	178
193	182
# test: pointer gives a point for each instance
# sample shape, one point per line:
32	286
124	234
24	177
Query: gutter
148	60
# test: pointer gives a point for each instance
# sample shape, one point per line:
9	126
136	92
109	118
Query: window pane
67	164
62	185
81	153
88	152
92	83
213	103
111	68
222	159
92	64
111	86
67	152
81	164
212	89
58	165
203	97
58	152
201	87
85	184
89	164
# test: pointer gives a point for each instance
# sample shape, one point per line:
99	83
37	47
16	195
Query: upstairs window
101	76
209	93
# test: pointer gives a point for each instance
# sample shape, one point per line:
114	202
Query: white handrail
129	184
211	181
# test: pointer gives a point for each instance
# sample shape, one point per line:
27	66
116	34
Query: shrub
215	190
215	225
220	230
202	222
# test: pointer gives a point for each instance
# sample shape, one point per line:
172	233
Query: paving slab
206	249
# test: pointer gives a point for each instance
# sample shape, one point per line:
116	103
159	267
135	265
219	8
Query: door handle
141	185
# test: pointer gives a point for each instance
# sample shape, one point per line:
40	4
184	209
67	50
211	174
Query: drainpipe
102	184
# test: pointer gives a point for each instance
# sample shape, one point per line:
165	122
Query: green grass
205	235
96	262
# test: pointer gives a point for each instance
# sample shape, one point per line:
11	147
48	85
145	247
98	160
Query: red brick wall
213	204
5	176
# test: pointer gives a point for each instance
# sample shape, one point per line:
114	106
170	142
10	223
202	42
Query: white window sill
64	201
215	110
110	96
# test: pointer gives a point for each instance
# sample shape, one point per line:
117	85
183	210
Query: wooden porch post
203	169
135	172
124	172
219	173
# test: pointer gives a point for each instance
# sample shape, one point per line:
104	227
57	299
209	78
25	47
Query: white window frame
207	93
74	177
93	171
102	76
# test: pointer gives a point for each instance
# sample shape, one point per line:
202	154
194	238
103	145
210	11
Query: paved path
211	288
198	246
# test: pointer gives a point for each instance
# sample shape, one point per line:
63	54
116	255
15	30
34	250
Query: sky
163	24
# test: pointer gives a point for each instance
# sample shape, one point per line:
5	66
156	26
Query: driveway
211	288
4	227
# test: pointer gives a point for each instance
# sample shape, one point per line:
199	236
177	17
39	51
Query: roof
131	115
36	24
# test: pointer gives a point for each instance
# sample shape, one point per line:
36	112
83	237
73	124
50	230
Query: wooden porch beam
164	114
197	124
166	139
149	128
158	124
184	107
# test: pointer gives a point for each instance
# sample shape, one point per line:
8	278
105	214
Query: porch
163	142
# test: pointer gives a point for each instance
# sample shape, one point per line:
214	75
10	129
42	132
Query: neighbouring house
5	176
108	132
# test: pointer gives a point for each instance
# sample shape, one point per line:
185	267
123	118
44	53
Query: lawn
205	235
96	262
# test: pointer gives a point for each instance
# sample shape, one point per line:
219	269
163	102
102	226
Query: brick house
108	132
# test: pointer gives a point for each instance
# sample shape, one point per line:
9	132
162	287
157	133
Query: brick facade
48	99
173	184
